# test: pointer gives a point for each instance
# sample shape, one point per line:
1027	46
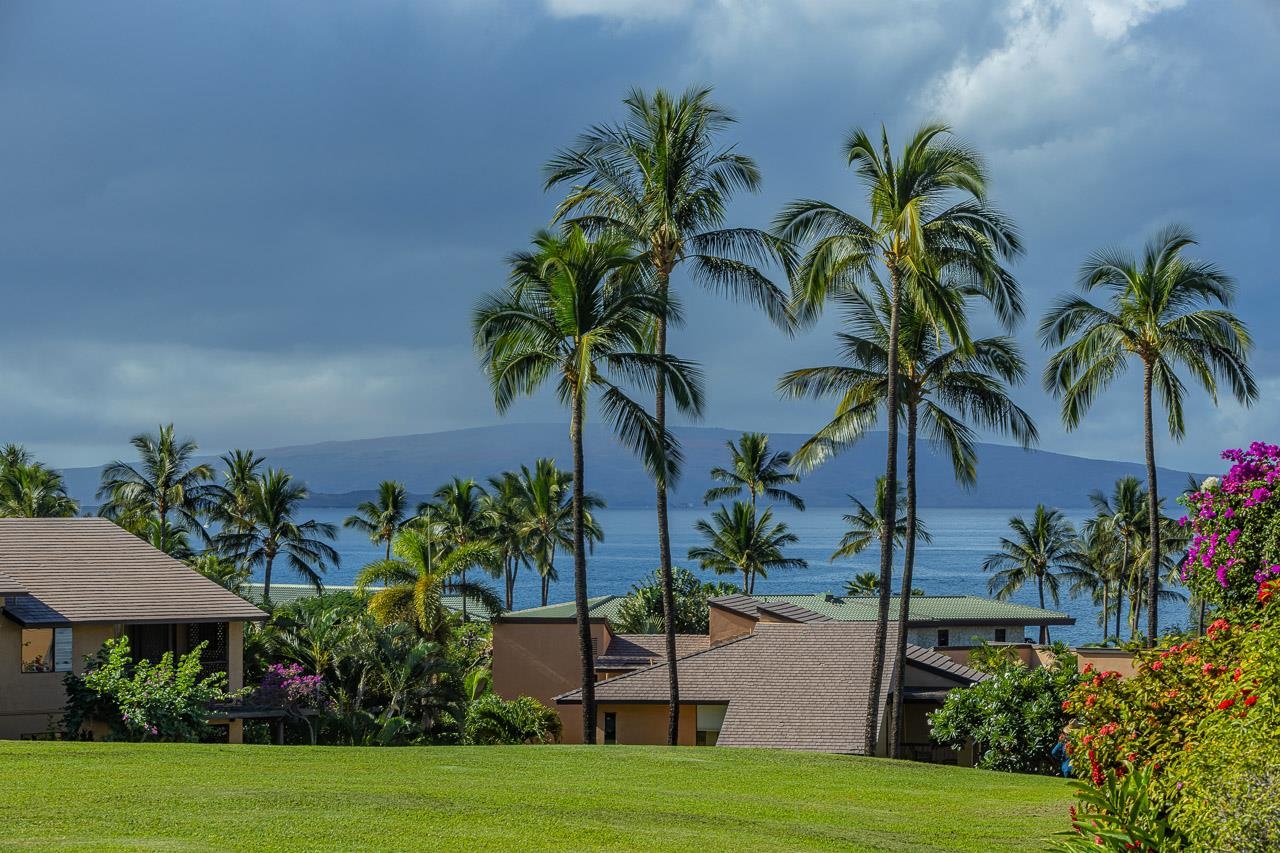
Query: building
68	585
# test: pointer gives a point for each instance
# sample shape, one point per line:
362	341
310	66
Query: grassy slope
158	797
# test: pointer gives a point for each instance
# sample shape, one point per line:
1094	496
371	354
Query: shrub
641	611
1014	718
1119	815
494	720
143	700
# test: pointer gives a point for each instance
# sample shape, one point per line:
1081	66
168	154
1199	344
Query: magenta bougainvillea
1235	526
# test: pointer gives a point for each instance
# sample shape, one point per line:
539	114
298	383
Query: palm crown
865	524
756	471
1040	551
381	519
740	541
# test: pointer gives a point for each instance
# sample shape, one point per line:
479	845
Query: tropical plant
929	225
1040	551
1124	513
268	528
413	583
868	584
547	522
662	181
382	518
865	522
493	720
226	573
165	488
1164	311
577	311
456	518
504	512
753	469
1096	568
742	541
31	490
641	612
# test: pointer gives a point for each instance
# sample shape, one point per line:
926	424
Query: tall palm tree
381	519
578	313
740	541
865	523
662	180
1097	567
504	510
269	529
31	490
753	469
413	583
457	518
941	388
1165	311
165	487
1125	514
547	524
928	218
1042	551
14	455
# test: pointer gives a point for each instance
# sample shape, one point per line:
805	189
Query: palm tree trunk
464	597
890	517
266	579
746	581
1153	513
580	579
1106	592
388	547
904	598
664	532
1044	629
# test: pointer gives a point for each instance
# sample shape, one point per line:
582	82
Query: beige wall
1118	660
726	625
540	659
646	725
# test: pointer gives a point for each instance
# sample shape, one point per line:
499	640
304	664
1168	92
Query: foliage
865	524
986	657
1119	815
641	611
743	541
30	489
143	700
753	469
494	720
226	573
1040	551
1235	524
382	518
287	686
1014	718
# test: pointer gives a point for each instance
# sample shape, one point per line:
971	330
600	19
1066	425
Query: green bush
494	720
641	611
145	700
1014	718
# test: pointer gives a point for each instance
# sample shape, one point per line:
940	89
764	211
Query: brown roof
88	570
943	665
747	605
9	586
631	651
787	686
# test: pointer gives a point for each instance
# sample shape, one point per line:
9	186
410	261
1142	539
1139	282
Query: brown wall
726	625
646	725
1119	660
540	659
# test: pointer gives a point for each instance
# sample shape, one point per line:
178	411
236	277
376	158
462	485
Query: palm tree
269	529
31	490
413	583
1160	311
1097	568
164	484
228	574
547	524
1042	550
457	518
741	542
940	388
382	518
863	583
14	455
929	217
756	471
866	522
504	510
1125	514
577	311
662	181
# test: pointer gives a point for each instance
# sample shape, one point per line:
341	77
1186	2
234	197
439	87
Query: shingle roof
599	607
88	570
787	686
9	586
630	651
925	610
942	664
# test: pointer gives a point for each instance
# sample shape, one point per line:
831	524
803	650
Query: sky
268	220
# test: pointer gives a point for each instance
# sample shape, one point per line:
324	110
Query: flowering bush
286	685
145	700
1235	525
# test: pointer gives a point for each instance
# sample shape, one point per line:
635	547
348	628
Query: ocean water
950	565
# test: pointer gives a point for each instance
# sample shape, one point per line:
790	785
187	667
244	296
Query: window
1001	633
710	721
944	637
610	728
46	649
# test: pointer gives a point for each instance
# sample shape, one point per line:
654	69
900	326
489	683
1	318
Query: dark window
944	637
150	642
213	633
1001	633
610	728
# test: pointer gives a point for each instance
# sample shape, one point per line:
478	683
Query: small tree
641	611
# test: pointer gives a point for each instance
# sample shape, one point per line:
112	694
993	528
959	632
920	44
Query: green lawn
64	796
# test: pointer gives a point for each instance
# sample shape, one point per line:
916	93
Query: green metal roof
600	607
927	609
287	593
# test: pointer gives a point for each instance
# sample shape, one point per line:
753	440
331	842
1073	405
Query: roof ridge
651	667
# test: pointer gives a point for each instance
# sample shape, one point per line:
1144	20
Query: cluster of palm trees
1106	558
31	489
590	307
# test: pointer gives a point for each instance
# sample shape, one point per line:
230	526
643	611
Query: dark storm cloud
269	221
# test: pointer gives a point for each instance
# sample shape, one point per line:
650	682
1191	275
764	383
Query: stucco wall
967	635
646	725
540	659
726	625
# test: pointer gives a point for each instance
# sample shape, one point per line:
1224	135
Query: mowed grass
68	796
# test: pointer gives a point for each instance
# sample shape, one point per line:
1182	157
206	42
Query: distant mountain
342	473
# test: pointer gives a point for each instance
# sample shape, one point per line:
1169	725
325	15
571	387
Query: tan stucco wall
1118	660
646	725
540	659
967	635
726	625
